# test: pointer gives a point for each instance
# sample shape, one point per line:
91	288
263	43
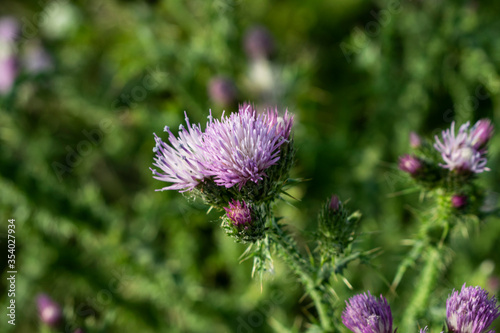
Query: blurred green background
77	136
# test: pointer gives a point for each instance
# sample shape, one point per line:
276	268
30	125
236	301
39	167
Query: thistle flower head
365	314
49	311
470	310
181	161
239	213
241	147
410	164
464	152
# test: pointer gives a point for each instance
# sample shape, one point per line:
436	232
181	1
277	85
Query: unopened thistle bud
336	227
459	201
410	164
243	222
258	42
49	311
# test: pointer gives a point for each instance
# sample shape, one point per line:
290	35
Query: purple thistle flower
8	70
365	314
258	42
461	152
9	29
410	164
424	330
49	311
222	90
470	311
240	148
239	213
458	201
181	162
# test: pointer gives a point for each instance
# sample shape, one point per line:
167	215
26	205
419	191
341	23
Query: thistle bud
336	227
49	311
243	222
459	201
410	164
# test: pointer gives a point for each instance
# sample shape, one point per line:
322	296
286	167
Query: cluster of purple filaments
232	151
239	213
367	314
470	311
465	151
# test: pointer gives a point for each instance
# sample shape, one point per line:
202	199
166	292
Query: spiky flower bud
49	311
336	228
244	222
470	310
410	164
365	314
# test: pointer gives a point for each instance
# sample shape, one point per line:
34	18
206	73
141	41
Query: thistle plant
239	165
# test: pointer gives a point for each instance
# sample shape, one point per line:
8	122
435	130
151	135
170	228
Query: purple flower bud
410	164
470	311
239	213
415	140
79	330
49	311
334	203
222	90
365	314
481	133
459	201
259	42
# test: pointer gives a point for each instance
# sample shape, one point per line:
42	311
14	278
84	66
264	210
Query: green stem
288	251
426	282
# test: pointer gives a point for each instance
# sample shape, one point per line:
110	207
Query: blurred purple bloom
463	152
181	162
49	311
415	140
239	213
8	73
9	29
365	314
36	59
470	311
424	330
258	42
410	164
240	148
458	201
222	90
